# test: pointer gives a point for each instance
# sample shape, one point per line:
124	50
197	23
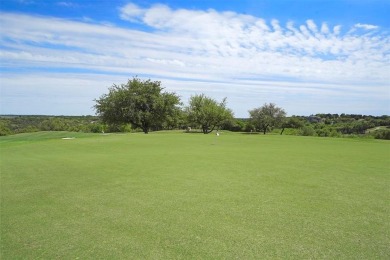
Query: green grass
173	195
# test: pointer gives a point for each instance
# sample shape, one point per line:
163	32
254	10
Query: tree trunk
282	131
212	129
264	130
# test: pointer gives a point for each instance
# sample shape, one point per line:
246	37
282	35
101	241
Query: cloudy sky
307	56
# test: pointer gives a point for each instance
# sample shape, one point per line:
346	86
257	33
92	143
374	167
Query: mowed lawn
172	195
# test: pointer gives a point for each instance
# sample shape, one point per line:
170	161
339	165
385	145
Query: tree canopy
267	117
143	104
207	113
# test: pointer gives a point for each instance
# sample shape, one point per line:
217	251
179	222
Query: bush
4	129
323	132
249	127
93	127
334	133
307	131
382	134
234	125
291	131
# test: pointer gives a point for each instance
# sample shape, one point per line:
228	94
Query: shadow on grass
194	132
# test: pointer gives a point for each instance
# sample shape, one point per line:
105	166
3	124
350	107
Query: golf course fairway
175	195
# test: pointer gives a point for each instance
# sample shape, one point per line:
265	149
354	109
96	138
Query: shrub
323	132
382	134
307	131
4	129
334	133
249	127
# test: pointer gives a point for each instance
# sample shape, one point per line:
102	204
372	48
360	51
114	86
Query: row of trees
14	124
377	127
145	105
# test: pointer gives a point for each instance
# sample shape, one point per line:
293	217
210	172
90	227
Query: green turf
182	196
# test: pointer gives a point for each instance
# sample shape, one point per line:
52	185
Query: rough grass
174	195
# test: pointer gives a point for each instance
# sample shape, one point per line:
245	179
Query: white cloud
131	12
366	26
208	51
312	26
337	29
324	29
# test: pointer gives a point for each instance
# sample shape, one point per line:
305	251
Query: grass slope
175	195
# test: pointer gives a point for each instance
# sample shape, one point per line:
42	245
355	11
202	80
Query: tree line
143	105
15	124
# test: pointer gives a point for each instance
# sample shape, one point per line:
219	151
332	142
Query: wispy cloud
212	52
131	12
67	4
366	26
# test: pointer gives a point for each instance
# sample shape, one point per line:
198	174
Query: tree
292	122
175	120
207	112
140	103
267	117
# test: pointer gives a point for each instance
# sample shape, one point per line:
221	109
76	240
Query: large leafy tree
140	103
267	117
207	113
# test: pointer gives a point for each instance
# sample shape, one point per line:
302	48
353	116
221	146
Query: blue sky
308	56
